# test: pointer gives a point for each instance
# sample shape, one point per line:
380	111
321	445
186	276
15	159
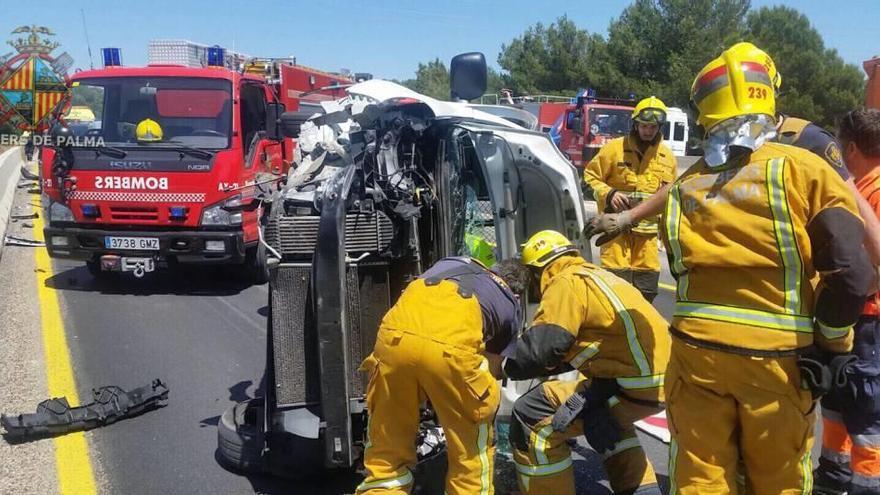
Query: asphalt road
204	334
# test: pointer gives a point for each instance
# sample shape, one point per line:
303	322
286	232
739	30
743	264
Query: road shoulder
28	467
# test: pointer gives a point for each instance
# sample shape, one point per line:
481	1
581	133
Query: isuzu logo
151	183
130	165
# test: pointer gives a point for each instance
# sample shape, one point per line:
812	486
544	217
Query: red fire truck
192	196
589	123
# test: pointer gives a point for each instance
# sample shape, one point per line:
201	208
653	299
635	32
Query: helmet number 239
756	93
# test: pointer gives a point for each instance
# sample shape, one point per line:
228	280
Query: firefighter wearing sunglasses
625	171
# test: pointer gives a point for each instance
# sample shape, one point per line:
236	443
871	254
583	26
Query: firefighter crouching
595	322
850	461
436	343
624	172
761	242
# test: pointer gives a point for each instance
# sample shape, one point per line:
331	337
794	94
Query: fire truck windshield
609	121
194	112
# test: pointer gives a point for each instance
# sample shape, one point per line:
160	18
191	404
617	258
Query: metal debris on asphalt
12	240
110	404
31	216
27	174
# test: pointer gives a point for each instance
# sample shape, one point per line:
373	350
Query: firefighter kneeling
595	322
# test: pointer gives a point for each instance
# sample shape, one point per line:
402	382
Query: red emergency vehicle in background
120	203
549	114
589	123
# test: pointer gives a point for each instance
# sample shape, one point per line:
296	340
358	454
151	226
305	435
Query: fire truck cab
192	190
591	122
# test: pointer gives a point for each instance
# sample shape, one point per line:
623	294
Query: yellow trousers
723	406
630	251
543	457
405	369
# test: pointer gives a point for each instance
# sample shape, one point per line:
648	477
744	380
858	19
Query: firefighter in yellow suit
435	344
763	240
624	172
593	321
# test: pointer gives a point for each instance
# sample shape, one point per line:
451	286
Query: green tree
816	83
658	46
551	59
432	79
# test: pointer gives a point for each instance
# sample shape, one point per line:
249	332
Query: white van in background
675	131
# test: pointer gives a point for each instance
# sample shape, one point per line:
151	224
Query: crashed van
387	181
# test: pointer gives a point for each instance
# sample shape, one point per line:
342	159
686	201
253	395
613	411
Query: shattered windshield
195	112
473	225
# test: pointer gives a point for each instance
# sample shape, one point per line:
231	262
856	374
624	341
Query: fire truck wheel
255	266
240	437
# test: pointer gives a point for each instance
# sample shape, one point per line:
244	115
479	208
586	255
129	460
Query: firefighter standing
595	322
789	130
624	172
436	343
850	461
759	236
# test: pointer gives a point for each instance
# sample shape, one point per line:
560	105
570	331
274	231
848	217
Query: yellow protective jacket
747	245
597	323
620	167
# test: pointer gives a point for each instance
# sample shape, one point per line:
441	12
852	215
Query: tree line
656	47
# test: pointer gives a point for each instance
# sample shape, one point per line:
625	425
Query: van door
534	187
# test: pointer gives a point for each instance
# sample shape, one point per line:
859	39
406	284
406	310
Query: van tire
240	437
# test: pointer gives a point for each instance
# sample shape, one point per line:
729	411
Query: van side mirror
467	76
291	122
273	121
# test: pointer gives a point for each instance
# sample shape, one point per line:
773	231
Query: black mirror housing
291	122
61	135
273	121
467	76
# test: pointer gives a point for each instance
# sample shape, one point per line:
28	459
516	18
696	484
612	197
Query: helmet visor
651	116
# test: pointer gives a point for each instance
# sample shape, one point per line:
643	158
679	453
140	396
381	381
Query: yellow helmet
650	110
747	50
544	247
736	83
148	130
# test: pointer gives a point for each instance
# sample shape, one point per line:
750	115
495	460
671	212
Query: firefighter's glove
815	372
609	225
595	395
616	201
600	428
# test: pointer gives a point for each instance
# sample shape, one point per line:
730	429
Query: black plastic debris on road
110	404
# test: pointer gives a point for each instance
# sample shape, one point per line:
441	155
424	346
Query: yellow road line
72	459
668	287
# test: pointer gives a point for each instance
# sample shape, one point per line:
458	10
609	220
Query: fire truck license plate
136	243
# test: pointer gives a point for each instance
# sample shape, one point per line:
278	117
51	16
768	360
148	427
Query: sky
385	37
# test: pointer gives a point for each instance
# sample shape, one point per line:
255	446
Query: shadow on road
183	281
